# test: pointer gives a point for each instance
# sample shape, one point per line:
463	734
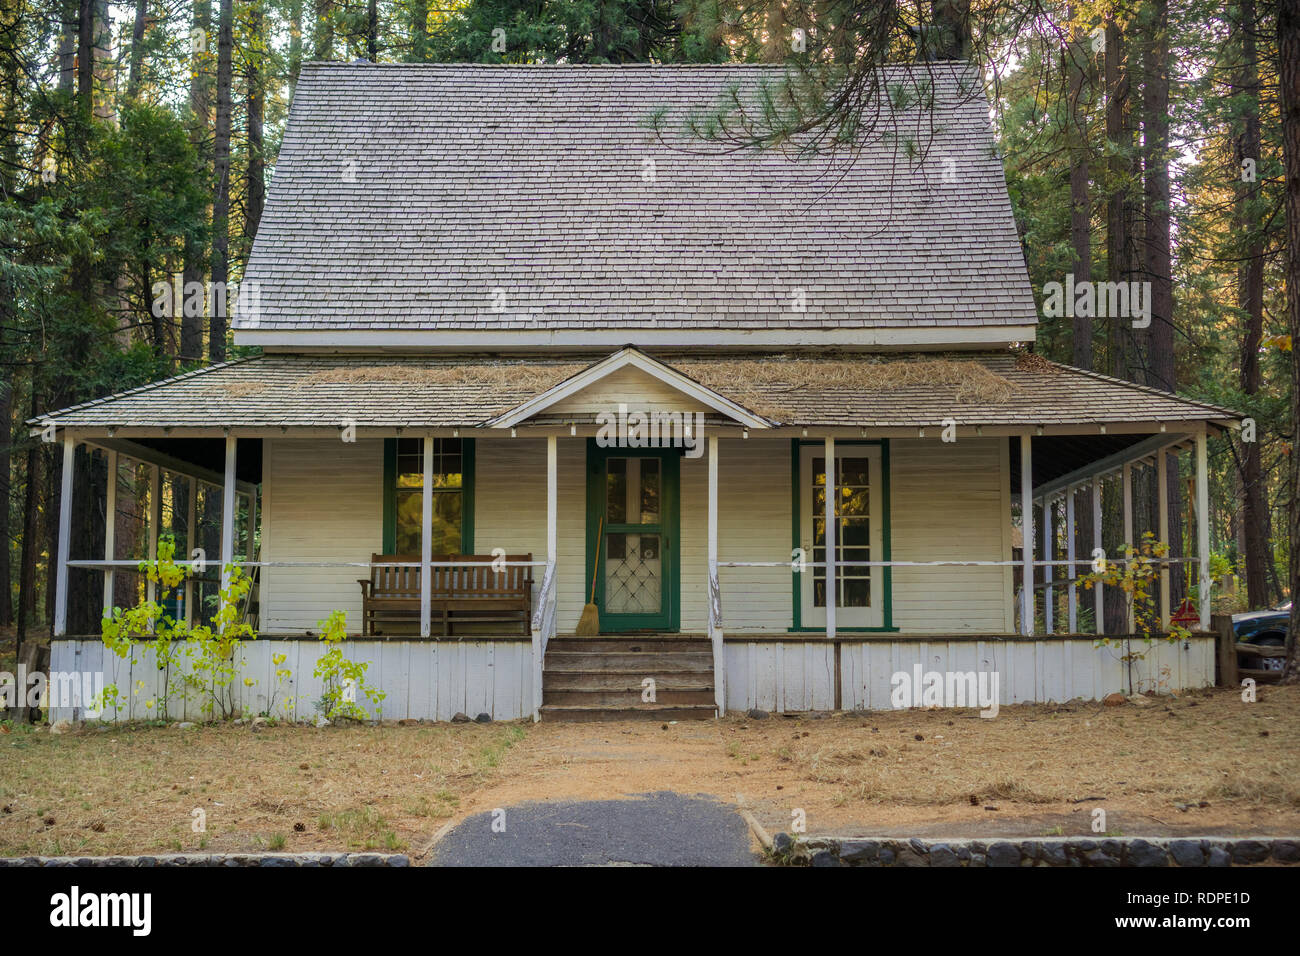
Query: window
452	495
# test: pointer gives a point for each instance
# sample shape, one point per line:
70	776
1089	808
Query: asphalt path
654	829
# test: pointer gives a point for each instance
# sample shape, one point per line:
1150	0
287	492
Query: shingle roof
285	390
405	196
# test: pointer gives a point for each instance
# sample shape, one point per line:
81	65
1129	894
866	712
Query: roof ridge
148	386
1148	389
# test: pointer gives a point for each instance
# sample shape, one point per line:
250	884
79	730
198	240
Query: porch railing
544	622
715	638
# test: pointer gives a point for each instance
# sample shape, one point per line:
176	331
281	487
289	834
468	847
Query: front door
859	521
632	522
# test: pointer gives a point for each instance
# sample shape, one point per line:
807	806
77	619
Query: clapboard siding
638	390
781	676
323	501
431	680
950	503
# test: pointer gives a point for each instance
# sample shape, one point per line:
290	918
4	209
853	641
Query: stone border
217	859
1037	851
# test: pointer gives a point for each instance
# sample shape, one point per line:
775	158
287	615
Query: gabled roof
494	206
285	391
685	387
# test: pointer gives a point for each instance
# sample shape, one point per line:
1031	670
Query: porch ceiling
374	391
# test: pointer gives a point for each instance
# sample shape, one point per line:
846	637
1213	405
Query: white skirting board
788	676
422	679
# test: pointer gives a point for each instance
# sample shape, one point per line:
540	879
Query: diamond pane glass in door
633	558
633	574
852	531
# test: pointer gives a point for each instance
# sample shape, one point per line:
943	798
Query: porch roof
289	391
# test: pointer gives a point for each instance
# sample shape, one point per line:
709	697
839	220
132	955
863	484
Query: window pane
650	490
616	491
448	483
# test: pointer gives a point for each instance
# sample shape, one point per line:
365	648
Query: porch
739	521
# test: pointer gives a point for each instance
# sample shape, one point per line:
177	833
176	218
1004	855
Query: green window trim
467	496
887	578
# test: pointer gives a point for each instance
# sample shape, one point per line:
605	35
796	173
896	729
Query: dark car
1264	629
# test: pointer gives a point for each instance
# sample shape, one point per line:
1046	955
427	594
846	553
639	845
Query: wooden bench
473	595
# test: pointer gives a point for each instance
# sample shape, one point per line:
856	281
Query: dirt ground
1205	763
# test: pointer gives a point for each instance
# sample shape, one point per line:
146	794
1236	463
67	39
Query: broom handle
599	529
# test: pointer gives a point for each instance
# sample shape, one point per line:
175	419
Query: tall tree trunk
324	30
68	45
6	493
295	44
191	344
31	535
137	49
1288	41
1117	220
86	55
221	171
256	177
1161	371
1250	299
419	30
1080	202
372	32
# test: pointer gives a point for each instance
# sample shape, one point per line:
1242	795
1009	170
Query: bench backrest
395	582
479	580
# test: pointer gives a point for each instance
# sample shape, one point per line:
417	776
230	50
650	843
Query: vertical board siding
429	680
792	675
948	505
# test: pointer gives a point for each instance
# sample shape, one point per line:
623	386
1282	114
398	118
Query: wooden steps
600	678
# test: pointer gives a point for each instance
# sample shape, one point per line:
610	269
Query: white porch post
110	529
831	575
1027	534
1203	527
1162	498
715	632
192	539
155	519
552	504
1049	541
426	543
1098	602
65	533
713	505
228	515
1127	482
1072	595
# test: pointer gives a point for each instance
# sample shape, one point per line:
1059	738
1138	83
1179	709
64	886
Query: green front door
632	537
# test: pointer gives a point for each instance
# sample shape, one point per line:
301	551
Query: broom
589	623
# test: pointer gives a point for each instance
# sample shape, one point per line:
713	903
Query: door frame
796	513
670	469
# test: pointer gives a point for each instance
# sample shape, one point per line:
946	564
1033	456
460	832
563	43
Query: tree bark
86	55
191	344
137	49
256	197
1250	300
1080	201
221	199
1288	41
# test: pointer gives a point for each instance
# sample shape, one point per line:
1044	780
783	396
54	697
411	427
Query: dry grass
133	789
1041	767
516	375
758	386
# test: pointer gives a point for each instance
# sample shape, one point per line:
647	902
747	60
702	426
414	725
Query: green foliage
1138	579
343	679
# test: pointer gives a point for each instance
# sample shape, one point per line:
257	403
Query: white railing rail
544	618
715	638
